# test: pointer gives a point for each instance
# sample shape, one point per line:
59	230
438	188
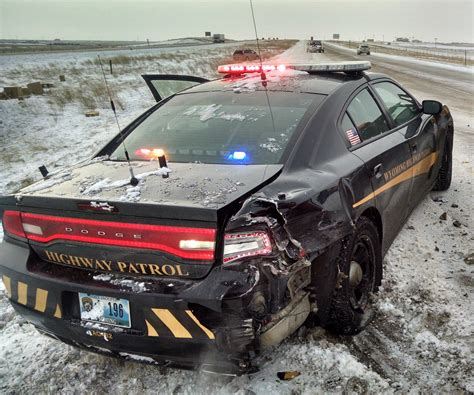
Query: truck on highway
218	38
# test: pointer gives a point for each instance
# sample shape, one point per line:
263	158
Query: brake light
249	68
243	245
12	223
184	242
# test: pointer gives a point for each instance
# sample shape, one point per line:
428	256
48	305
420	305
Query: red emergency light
347	67
249	68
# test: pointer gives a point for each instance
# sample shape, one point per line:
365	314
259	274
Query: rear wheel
360	274
443	181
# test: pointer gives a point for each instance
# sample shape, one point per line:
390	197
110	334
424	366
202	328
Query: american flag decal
353	136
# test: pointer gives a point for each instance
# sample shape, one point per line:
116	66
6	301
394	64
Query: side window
401	106
347	123
350	130
367	116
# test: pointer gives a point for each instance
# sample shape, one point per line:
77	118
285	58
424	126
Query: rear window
220	127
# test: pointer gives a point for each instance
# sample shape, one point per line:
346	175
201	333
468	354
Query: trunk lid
90	217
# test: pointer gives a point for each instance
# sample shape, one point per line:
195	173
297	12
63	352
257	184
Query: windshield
220	127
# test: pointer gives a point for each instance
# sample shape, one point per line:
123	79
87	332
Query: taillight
242	245
184	242
12	224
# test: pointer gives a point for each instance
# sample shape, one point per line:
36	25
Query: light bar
249	68
332	67
237	69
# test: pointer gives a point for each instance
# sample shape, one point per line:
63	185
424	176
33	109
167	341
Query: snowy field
421	339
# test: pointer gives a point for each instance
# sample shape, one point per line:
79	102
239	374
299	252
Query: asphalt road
451	87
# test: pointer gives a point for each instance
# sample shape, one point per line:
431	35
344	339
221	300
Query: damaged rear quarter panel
308	209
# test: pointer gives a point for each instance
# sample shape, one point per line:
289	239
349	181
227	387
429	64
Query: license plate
105	309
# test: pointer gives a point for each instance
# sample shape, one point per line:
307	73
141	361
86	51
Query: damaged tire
360	274
443	181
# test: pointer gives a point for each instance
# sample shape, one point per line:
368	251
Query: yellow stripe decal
151	331
41	298
172	323
22	292
58	313
423	166
8	285
209	334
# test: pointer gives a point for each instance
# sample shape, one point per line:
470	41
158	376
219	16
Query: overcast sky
447	20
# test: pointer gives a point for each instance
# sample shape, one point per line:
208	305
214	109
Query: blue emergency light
238	155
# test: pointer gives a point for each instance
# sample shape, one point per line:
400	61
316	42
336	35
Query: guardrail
452	55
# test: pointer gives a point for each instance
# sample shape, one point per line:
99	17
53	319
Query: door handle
378	170
414	147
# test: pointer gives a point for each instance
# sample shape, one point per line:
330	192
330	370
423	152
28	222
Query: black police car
265	200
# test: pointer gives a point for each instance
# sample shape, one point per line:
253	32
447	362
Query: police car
265	200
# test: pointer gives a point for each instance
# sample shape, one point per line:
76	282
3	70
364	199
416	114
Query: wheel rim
361	272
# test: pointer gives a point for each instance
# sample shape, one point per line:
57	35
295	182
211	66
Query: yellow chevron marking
151	330
41	298
8	285
423	166
172	323
58	313
22	292
209	334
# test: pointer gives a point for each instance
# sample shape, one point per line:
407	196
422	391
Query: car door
420	131
164	85
386	155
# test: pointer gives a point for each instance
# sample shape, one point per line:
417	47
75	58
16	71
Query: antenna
256	37
262	75
133	179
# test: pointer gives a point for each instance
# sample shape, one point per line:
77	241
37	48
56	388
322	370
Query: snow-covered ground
420	341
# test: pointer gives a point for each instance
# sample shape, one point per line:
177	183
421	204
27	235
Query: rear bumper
164	351
173	322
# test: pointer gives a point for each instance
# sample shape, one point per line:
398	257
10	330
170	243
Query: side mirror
431	107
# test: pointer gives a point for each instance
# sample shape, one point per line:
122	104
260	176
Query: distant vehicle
245	54
218	38
315	46
266	220
363	49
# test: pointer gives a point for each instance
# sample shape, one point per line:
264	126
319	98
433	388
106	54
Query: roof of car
321	83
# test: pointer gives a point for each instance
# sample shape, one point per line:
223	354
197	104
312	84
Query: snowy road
420	341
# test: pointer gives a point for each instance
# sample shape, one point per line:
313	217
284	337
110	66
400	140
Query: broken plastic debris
289	375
